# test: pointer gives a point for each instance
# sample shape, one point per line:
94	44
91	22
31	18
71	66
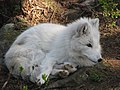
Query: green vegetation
25	87
44	77
10	35
21	20
110	10
21	69
96	76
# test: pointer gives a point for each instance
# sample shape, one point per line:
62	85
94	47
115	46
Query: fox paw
63	73
41	79
40	82
70	68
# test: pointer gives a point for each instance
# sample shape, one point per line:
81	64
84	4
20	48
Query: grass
96	75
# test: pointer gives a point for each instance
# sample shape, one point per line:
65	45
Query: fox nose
99	60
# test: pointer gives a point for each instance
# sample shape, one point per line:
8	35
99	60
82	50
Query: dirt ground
63	12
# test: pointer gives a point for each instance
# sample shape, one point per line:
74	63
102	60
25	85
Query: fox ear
82	30
95	22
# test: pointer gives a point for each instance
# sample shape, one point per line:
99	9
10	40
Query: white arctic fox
48	48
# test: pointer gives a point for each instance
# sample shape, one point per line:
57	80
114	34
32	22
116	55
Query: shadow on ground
111	46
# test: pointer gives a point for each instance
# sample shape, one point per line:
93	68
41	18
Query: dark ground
105	76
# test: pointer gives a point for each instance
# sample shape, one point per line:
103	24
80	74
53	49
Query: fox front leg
46	69
42	78
69	67
60	73
63	70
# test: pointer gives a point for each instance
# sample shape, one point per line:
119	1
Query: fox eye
89	45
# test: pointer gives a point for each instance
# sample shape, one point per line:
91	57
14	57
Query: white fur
44	46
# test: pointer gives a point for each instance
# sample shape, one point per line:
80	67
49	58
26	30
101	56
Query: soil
63	11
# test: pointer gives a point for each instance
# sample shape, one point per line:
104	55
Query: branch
4	85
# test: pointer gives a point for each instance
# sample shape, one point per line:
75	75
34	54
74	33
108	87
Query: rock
76	80
7	36
7	27
72	14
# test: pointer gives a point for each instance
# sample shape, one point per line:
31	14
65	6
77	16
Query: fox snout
100	59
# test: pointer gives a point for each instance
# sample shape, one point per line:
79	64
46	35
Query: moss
9	32
10	35
96	75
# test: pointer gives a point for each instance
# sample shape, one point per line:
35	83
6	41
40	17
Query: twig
81	13
4	85
51	17
87	2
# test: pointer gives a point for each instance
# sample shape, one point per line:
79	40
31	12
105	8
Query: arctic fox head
86	40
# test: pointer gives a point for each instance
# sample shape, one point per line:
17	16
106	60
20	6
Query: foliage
110	8
96	76
25	87
21	69
110	11
44	77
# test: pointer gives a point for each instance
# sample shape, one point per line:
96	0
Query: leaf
44	77
25	87
21	69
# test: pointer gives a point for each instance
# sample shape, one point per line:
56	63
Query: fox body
49	48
